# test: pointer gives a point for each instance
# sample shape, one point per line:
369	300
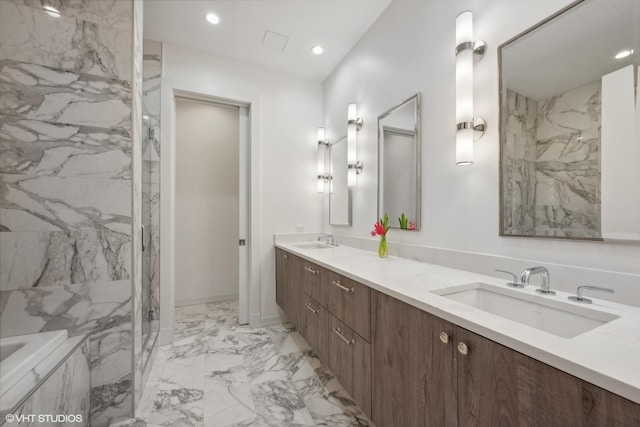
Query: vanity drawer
314	281
350	361
316	327
349	301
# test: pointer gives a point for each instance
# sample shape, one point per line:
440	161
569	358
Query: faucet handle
514	283
579	298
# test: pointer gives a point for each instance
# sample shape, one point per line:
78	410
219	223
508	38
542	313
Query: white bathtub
18	355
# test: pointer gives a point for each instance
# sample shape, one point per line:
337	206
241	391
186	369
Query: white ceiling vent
274	40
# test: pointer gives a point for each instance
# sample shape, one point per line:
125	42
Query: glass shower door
151	71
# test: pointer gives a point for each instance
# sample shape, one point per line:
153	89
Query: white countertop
607	356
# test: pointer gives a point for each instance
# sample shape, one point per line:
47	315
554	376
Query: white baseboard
166	336
271	320
205	300
254	320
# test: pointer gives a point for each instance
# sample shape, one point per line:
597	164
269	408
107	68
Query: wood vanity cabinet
350	302
499	386
314	281
412	368
289	294
350	361
407	368
429	372
316	328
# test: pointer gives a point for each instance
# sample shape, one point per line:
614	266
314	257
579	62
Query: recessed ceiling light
52	11
213	18
623	54
317	50
145	117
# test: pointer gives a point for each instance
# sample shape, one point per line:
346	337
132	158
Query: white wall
289	113
459	204
207	202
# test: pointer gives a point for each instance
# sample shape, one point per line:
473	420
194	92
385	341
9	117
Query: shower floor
217	373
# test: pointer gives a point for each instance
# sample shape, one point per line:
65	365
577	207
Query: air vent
275	41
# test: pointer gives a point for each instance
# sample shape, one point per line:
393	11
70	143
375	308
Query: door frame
249	291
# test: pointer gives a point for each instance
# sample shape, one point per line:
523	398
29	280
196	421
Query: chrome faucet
330	238
545	287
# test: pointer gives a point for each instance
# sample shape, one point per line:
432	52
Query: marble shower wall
551	164
66	183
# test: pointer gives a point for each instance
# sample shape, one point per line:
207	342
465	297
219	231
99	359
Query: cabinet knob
463	348
285	256
444	337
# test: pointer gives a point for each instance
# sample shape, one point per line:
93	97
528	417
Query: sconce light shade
322	169
466	125
354	124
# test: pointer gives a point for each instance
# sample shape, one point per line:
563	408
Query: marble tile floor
218	373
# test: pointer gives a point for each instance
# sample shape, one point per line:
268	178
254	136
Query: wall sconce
323	175
354	124
468	51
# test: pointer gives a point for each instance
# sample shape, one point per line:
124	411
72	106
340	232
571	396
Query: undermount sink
555	317
313	245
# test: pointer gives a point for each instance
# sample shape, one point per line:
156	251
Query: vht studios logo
43	418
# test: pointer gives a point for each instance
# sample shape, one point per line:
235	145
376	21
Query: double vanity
422	344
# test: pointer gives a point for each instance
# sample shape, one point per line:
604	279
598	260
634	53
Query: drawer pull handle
311	270
463	348
313	310
342	337
444	337
344	288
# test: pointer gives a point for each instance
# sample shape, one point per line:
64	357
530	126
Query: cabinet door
413	375
316	328
499	386
350	361
281	279
350	302
314	281
294	291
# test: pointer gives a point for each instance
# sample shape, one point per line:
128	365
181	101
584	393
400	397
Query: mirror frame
418	155
501	117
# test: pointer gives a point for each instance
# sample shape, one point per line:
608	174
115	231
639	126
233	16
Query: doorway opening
211	205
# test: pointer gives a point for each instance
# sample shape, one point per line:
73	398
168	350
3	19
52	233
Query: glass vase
382	249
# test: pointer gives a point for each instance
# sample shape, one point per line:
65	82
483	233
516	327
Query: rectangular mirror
340	195
399	164
570	125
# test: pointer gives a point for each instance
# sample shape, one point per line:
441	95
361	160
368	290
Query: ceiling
337	25
573	50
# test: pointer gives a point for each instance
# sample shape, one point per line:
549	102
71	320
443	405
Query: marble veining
112	13
42	259
551	164
218	373
66	183
69	43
